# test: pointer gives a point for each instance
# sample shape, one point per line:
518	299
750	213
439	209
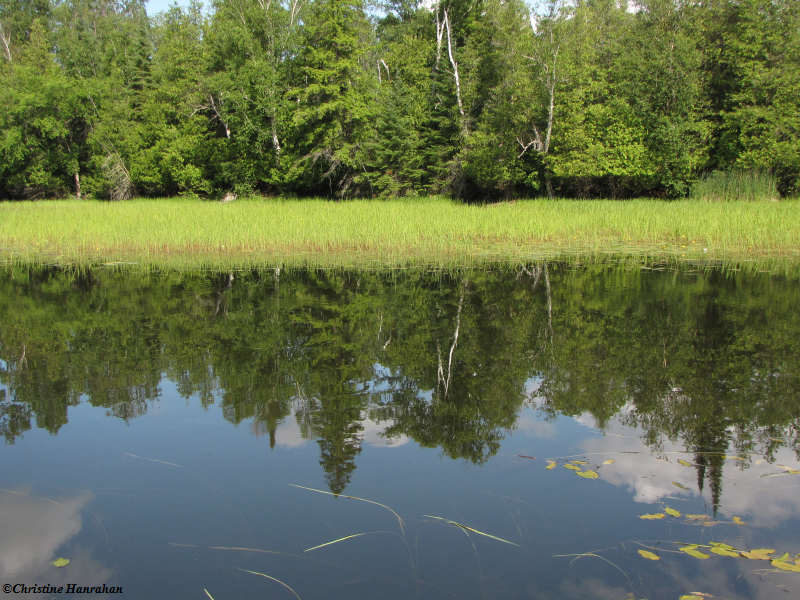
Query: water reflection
705	361
34	529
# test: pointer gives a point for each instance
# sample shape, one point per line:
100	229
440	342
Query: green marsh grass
432	231
736	186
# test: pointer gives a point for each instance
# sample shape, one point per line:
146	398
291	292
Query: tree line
479	99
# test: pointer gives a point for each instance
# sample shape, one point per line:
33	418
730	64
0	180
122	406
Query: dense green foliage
448	359
482	99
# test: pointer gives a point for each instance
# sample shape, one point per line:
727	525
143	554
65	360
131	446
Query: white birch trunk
6	39
454	65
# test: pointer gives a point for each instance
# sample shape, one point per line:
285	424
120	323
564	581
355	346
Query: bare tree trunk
439	33
294	12
275	143
6	39
454	65
545	56
440	373
549	303
77	185
213	106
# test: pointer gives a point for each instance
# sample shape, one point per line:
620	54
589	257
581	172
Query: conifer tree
331	110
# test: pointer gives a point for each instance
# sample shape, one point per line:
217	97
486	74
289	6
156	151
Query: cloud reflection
754	492
34	528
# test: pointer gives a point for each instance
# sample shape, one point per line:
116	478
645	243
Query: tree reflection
707	358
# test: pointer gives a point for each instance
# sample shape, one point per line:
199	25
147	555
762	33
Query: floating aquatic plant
472	529
341	539
391	510
275	579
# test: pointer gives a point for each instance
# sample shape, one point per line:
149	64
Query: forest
477	99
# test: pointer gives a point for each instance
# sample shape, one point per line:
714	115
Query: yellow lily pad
723	545
786	566
685	463
572	467
652	516
609	461
679	485
738	520
758	554
551	464
722	551
60	562
693	551
783	557
672	512
697	517
587	474
579	462
649	555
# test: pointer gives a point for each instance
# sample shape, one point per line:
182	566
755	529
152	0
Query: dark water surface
155	424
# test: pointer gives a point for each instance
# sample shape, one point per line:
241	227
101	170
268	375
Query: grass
185	233
736	185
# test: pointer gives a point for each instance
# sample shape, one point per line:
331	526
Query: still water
476	434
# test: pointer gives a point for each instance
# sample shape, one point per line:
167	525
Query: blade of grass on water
208	594
593	555
468	528
398	517
275	579
347	537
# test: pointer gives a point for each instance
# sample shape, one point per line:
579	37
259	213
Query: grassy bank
257	232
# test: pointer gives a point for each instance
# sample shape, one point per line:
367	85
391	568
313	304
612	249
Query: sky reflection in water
154	424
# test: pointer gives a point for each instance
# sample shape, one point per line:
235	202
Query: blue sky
157	6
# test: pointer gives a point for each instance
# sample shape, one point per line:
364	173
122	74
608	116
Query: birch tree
244	92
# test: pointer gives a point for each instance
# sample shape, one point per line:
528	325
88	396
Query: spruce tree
330	106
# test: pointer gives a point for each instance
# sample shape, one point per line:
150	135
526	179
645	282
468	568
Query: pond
545	431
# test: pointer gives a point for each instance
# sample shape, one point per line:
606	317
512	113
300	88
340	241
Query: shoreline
429	231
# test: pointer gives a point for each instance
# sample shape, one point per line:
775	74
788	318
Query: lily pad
587	474
786	566
60	562
649	555
651	516
672	512
685	463
758	554
723	551
738	520
572	467
551	464
693	551
609	461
